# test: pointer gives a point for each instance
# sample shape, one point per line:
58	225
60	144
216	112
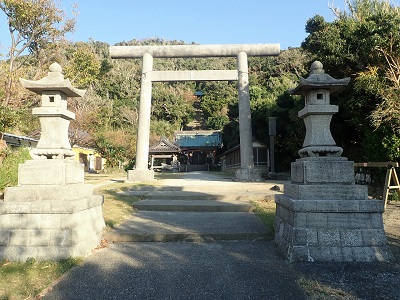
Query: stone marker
51	214
323	215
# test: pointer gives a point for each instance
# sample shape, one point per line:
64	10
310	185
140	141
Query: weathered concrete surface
195	50
199	75
206	208
167	226
143	136
140	175
223	270
194	205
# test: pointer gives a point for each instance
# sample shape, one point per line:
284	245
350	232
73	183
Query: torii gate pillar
141	171
247	171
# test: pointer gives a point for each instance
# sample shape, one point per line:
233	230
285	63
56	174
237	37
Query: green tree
173	103
83	67
117	147
362	42
270	79
219	95
33	25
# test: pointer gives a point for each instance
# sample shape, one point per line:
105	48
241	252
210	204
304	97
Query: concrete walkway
221	270
187	241
196	206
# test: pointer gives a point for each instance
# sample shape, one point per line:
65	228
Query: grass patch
168	175
93	178
25	280
265	211
318	291
117	206
9	168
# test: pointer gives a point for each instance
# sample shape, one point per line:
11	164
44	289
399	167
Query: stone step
193	205
154	226
221	187
186	195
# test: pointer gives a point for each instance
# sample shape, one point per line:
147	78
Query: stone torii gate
141	171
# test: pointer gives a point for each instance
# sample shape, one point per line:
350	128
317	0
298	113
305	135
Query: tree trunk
7	97
3	148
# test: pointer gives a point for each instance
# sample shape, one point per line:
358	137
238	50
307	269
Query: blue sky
203	21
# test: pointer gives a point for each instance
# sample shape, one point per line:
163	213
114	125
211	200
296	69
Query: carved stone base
51	215
50	230
316	151
330	230
248	175
140	175
50	172
324	216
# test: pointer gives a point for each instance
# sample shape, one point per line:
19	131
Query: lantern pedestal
324	216
140	175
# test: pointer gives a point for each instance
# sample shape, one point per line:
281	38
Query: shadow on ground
223	270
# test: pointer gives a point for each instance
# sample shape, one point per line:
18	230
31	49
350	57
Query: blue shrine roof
198	139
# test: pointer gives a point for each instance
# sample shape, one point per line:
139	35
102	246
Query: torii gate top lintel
217	50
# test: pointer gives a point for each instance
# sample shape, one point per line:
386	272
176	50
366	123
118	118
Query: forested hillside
362	43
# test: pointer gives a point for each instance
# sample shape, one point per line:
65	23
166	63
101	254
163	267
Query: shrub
9	168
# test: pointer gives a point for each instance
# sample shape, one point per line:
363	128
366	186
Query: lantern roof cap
54	81
318	79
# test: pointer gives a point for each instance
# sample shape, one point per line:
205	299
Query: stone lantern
317	112
53	113
323	215
51	214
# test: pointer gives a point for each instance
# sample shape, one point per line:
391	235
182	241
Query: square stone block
363	254
19	237
320	253
329	237
10	221
27	193
312	237
40	221
351	237
326	192
50	172
140	175
323	170
336	254
374	237
50	230
317	220
4	237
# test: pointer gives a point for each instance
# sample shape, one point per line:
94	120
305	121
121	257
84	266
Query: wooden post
390	174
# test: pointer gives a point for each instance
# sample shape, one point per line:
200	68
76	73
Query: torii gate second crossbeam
141	171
